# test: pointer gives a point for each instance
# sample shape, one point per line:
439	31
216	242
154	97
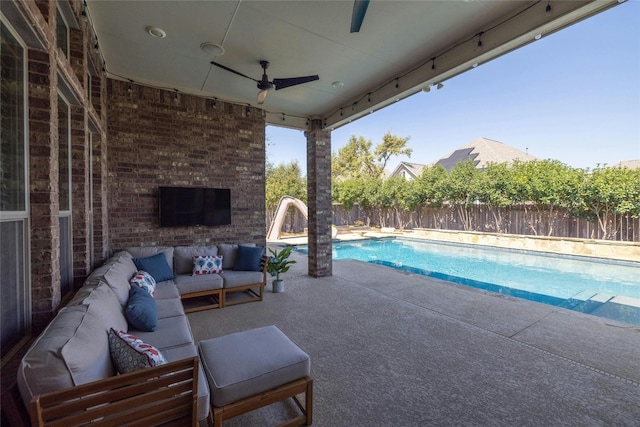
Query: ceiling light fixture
337	84
262	95
212	49
538	36
427	88
156	32
439	86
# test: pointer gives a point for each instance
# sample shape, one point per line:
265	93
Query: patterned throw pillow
145	281
207	264
129	353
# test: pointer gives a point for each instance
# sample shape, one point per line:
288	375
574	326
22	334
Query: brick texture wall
319	197
160	138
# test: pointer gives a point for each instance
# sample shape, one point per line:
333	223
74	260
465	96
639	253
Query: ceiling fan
359	10
264	84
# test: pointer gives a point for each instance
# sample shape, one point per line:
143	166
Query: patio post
319	199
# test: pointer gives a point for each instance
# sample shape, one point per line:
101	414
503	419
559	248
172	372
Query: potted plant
278	263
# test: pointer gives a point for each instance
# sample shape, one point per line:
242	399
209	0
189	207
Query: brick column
319	199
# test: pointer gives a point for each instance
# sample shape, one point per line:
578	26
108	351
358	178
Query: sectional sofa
81	344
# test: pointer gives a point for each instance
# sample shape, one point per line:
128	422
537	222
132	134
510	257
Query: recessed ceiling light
538	36
156	32
337	84
212	49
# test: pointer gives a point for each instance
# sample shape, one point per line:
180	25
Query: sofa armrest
150	396
263	267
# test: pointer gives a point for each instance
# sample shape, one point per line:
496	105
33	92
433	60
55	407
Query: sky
572	96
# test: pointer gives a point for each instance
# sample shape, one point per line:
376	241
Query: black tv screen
185	206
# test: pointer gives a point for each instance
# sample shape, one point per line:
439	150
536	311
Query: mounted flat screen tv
185	206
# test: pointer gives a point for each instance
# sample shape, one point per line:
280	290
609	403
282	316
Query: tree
494	190
428	190
606	191
356	160
391	145
461	190
544	184
284	180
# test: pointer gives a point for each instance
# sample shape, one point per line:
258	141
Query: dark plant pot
277	286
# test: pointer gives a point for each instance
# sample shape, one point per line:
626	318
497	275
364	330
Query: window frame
60	18
23	216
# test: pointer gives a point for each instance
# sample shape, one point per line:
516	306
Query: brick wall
319	197
160	138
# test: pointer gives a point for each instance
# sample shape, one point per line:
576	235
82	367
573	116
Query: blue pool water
604	288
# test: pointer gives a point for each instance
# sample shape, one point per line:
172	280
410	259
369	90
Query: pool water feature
595	286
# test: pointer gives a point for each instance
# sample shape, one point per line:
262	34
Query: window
64	187
14	216
62	33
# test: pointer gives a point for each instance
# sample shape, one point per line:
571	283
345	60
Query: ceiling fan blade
262	95
284	83
359	10
233	71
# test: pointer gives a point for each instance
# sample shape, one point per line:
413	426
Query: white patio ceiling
401	48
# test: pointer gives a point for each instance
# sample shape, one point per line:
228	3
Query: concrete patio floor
395	349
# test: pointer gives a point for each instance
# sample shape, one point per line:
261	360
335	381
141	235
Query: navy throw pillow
141	311
156	266
249	258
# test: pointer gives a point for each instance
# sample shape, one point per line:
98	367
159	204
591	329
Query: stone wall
160	138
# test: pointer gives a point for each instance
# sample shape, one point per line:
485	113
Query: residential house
103	102
482	151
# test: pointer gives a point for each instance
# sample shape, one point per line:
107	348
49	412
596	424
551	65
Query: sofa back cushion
183	257
229	252
72	350
105	305
97	275
118	278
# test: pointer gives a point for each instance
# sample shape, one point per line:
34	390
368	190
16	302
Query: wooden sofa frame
164	395
248	289
215	296
285	391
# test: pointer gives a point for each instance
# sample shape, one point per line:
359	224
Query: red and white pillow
207	264
144	280
129	353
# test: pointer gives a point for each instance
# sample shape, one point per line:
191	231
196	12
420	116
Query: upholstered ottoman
255	368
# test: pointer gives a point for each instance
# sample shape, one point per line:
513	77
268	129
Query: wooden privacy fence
516	219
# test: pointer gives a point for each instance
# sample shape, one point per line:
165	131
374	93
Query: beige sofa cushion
170	332
187	284
72	350
98	274
183	257
105	305
233	279
118	278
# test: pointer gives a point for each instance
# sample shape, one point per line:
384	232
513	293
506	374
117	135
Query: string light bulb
548	8
480	38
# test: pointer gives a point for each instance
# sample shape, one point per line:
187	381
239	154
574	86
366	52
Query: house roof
631	164
401	48
413	169
482	151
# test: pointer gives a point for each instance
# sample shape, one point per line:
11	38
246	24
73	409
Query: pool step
587	301
620	308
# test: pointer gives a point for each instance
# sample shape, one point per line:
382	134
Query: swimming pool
604	288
